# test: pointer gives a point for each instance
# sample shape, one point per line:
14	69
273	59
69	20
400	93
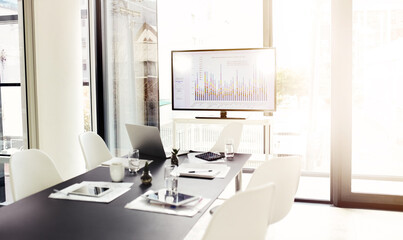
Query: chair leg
213	209
238	182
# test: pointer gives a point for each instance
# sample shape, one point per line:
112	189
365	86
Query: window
86	65
129	91
377	101
301	36
185	25
317	118
11	124
366	104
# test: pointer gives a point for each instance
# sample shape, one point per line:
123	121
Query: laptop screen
147	139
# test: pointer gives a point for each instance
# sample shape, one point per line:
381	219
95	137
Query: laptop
147	140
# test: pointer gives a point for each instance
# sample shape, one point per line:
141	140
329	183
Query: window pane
131	77
11	130
86	65
9	53
8	7
204	25
302	121
11	120
377	98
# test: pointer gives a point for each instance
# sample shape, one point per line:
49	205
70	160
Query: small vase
174	160
146	178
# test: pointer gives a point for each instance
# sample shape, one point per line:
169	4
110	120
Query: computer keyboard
209	156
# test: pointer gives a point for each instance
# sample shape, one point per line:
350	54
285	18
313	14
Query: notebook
147	140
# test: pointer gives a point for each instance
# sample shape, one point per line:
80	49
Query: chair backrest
94	149
284	172
243	216
32	171
231	131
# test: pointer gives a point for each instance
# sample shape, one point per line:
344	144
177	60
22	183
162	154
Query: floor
325	222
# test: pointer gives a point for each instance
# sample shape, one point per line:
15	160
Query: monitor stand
223	115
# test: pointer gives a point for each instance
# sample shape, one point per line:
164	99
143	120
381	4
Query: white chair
243	216
94	149
231	131
30	172
284	172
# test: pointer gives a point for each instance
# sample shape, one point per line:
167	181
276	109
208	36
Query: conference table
40	217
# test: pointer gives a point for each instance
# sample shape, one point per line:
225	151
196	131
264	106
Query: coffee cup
117	171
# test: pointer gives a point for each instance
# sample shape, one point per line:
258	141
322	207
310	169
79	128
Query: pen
200	171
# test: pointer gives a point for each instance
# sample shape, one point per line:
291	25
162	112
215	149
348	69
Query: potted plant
146	177
174	157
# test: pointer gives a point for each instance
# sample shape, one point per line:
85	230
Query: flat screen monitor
224	79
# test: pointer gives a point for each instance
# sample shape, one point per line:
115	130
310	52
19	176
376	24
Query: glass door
301	125
372	166
377	102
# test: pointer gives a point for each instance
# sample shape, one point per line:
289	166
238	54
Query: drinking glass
229	149
171	179
134	161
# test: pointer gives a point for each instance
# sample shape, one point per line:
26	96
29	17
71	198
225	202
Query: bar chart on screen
228	79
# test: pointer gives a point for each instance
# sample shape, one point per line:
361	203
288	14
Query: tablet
91	191
163	196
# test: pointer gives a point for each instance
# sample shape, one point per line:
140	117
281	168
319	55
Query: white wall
57	38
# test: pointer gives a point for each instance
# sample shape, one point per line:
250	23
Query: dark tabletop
40	217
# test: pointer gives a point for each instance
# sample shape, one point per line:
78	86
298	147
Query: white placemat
118	189
189	210
125	162
203	170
